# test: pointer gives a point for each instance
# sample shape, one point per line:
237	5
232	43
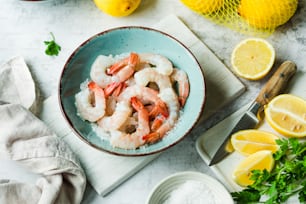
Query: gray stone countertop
24	26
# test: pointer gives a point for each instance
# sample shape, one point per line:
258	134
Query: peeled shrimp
129	62
147	96
120	85
133	140
115	121
90	102
105	70
181	78
170	98
98	71
162	64
144	76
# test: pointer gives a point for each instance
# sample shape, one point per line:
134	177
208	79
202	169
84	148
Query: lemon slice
248	142
253	58
258	161
286	114
117	8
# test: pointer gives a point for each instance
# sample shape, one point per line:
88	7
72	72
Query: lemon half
253	58
286	114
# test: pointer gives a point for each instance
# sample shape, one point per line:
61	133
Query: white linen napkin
29	142
17	85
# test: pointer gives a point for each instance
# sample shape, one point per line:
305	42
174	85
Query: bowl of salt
189	187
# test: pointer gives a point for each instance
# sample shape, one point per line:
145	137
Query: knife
276	85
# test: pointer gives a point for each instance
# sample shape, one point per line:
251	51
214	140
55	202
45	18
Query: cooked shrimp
90	102
144	76
162	64
133	140
170	98
130	124
111	103
106	70
147	96
98	71
114	121
157	122
131	61
114	88
142	65
181	78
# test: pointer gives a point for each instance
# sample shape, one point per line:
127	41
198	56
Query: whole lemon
203	6
117	8
267	14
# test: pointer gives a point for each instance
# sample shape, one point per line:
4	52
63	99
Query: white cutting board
209	141
104	171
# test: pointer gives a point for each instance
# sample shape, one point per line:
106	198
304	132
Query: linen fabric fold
28	141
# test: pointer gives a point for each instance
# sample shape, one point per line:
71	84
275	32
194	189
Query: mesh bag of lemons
252	17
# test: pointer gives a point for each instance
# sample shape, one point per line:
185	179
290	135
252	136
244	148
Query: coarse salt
191	192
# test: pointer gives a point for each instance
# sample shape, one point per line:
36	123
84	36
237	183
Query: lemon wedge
286	114
253	58
258	161
250	141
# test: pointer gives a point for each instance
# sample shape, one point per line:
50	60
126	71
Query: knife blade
251	118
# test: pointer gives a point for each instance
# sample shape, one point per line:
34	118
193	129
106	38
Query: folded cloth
28	141
17	85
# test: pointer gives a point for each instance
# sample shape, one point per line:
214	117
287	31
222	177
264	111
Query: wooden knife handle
277	83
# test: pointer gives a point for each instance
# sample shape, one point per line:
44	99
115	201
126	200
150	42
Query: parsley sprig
52	47
287	178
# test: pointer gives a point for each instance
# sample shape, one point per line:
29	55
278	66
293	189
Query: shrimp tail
183	93
157	122
93	86
114	88
132	60
151	137
159	108
119	89
136	104
182	101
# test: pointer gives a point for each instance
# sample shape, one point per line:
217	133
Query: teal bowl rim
134	153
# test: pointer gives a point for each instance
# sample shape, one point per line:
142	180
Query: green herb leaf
248	195
52	47
287	178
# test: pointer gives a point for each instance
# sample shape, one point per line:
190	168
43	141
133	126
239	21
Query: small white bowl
162	191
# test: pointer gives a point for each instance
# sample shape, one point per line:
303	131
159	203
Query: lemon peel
117	8
203	6
267	14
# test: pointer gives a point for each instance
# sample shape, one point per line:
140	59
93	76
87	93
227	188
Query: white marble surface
24	26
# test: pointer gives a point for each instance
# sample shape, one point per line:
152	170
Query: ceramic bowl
162	192
124	40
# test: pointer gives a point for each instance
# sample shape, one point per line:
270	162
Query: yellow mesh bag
251	17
